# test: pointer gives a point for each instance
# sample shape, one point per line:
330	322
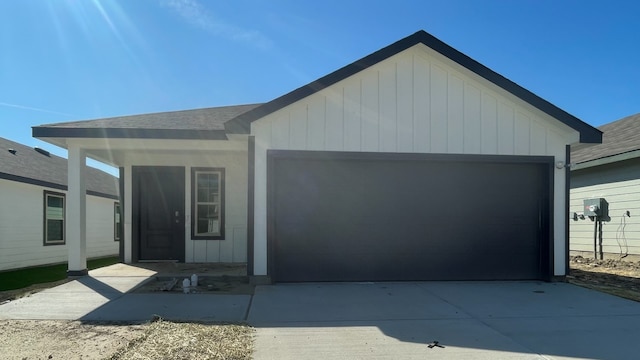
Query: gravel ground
30	339
71	340
167	340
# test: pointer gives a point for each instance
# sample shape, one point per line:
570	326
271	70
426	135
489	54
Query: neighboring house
33	190
611	171
413	163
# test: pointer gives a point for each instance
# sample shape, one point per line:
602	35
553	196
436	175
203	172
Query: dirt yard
224	284
616	277
29	339
71	340
26	339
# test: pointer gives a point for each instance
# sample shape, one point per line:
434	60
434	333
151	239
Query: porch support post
76	220
128	200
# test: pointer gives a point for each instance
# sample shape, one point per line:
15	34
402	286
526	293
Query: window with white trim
207	201
117	225
54	208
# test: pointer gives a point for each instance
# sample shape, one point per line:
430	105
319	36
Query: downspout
567	191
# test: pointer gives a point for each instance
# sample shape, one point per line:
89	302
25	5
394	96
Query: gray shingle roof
618	137
30	166
217	123
197	119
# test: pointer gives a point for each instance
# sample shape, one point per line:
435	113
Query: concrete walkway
105	295
471	320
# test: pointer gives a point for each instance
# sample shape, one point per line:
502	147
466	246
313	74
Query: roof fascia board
562	129
60	142
127	133
51	185
30	181
588	134
112	151
607	160
103	195
128	144
241	123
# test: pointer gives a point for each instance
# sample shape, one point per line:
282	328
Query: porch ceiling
115	151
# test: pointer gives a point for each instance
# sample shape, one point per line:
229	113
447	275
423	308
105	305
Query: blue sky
67	60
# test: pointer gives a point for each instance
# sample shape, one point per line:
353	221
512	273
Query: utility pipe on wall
597	238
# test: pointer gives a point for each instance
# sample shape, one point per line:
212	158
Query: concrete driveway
470	320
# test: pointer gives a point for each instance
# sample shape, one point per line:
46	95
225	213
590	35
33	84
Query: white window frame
219	235
51	194
117	221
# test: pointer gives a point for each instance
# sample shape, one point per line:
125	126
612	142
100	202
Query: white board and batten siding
416	101
619	185
21	227
234	247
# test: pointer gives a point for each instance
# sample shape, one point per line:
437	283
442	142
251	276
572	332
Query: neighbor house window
207	201
53	218
117	218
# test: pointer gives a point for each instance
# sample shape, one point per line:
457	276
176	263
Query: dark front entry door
158	213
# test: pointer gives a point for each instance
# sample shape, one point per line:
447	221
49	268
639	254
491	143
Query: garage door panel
359	220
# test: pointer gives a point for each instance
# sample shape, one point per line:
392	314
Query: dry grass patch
169	340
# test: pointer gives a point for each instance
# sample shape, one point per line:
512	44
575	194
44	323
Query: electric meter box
596	207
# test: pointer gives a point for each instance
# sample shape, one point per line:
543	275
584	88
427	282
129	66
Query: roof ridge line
241	123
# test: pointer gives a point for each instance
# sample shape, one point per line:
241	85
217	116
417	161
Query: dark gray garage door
366	216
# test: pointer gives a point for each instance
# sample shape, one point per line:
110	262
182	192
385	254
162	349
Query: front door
158	213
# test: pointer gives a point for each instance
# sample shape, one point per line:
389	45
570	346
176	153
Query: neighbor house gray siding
619	184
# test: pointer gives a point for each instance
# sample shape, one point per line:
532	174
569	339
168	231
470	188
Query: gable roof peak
242	123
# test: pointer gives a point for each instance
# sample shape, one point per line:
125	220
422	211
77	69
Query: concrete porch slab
106	295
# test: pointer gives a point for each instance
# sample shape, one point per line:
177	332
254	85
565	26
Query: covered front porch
183	193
